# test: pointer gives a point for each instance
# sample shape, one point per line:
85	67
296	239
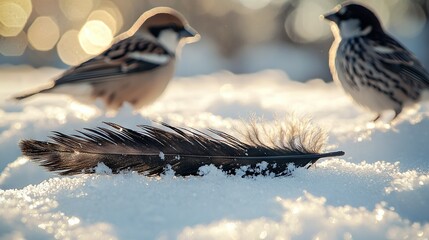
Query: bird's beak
190	34
188	31
332	16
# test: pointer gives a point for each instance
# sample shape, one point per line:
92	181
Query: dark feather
400	61
153	150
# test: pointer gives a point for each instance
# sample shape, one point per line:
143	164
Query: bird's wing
131	55
399	60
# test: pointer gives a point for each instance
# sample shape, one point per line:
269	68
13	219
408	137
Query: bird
136	68
377	71
154	151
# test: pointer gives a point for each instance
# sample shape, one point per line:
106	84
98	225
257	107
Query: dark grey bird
153	150
371	66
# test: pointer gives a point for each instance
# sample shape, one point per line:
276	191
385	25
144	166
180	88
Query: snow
378	190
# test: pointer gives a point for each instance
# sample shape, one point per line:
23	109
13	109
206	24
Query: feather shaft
153	150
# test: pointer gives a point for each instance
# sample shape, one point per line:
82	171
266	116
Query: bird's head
354	20
166	26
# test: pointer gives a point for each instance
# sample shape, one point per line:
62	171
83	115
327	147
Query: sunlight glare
227	91
83	111
70	50
105	17
73	221
95	36
57	113
113	10
380	215
370	125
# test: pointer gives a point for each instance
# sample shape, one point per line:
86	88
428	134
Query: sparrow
136	68
371	66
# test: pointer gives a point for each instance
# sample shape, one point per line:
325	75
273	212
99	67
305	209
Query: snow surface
378	190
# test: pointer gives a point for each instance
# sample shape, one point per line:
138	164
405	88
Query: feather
116	61
153	150
400	60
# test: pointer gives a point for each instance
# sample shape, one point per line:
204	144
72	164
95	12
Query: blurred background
241	36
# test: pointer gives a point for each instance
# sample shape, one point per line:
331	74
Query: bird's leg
397	112
376	118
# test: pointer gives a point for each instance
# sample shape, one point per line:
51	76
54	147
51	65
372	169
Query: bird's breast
138	89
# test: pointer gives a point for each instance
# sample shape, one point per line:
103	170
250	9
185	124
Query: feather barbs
152	150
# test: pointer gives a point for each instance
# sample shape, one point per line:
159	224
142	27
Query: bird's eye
155	31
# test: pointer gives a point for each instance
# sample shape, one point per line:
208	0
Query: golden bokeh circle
25	4
76	10
69	48
43	33
12	19
95	36
105	17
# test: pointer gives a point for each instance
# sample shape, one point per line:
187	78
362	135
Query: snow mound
378	190
309	217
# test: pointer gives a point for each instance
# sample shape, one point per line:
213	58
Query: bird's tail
24	96
30	94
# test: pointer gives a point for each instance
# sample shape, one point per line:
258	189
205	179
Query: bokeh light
214	8
76	10
25	4
13	46
95	36
113	10
231	29
255	4
46	7
12	18
69	48
302	23
43	33
260	29
106	18
409	19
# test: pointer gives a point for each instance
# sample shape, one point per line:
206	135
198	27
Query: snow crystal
101	168
161	155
